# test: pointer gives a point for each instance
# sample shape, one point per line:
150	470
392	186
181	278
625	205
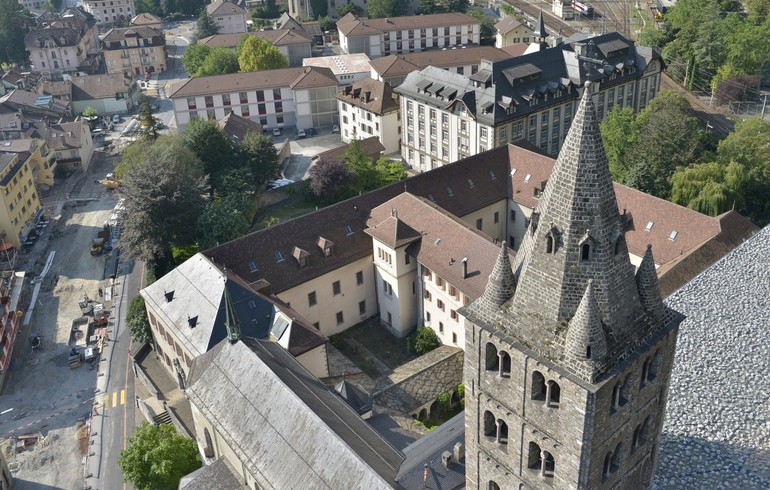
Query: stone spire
575	239
232	324
540	32
585	346
500	286
648	286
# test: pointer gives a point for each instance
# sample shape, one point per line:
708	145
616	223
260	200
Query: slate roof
224	7
64	136
102	86
350	25
191	298
516	81
237	126
373	95
290	430
401	64
371	145
429	449
65	30
278	37
219	475
358	398
145	18
112	39
302	77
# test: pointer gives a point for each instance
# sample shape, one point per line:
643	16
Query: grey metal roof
287	428
219	475
428	450
545	77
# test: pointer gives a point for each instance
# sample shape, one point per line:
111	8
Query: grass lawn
275	215
391	351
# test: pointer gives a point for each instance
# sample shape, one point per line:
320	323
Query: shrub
425	340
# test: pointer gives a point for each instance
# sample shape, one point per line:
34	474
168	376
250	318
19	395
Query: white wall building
110	11
370	108
228	16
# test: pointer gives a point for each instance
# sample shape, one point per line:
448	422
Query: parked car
97	132
311	131
116	118
279	183
277	132
335	129
301	133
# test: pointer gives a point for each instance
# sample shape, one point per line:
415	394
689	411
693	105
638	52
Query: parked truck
98	243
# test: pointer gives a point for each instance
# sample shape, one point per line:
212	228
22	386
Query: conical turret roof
500	286
648	286
540	31
586	344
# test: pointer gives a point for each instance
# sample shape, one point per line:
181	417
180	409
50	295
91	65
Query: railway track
712	119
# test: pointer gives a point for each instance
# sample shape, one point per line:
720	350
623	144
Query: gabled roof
426	452
237	126
65	30
224	7
103	86
371	145
369	94
350	25
278	37
218	475
402	64
358	398
299	77
63	136
145	18
508	24
290	430
313	77
393	232
141	31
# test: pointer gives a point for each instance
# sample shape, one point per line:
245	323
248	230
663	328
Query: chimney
465	267
446	459
459	451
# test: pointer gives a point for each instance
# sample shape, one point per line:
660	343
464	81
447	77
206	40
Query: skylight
252	304
253	266
673	235
649	226
279	256
430	196
471	184
492	175
348	230
526	179
449	192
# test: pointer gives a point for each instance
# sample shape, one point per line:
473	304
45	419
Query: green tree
222	220
619	133
148	129
137	321
320	7
193	58
220	61
425	340
158	457
389	170
327	23
261	157
361	166
11	32
377	9
205	26
212	146
146	6
709	188
349	8
488	30
90	112
329	180
163	191
259	54
168	7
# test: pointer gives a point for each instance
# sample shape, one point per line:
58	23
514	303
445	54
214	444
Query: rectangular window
360	277
209	101
426	295
243	97
260	95
226	99
479	223
406	258
191	103
440	304
427	317
311	298
513	215
454	338
440	327
336	288
497	216
261	109
245	111
276	94
340	318
362	307
279	107
453	314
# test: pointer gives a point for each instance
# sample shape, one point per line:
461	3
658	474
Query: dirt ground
45	395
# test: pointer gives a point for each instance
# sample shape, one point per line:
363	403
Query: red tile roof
350	25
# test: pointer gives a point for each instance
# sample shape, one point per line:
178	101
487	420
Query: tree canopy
223	220
11	32
205	26
488	30
211	145
137	321
329	179
377	9
257	54
219	61
261	157
193	58
158	457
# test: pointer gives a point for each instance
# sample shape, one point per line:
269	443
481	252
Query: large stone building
382	37
134	51
447	116
66	44
569	351
108	12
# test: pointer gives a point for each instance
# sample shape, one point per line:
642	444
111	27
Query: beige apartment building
510	31
108	12
19	201
228	16
136	51
66	44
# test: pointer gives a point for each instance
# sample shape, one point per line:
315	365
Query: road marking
122	397
106	401
115	399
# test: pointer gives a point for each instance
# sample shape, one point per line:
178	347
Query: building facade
108	12
134	51
510	31
10	288
72	144
533	98
370	108
568	350
108	94
302	97
65	44
20	208
228	16
382	37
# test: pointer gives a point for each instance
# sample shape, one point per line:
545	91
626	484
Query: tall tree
259	153
11	32
709	188
329	179
158	457
212	146
147	6
259	54
361	166
377	9
148	128
349	8
619	133
219	61
205	26
193	58
223	220
487	30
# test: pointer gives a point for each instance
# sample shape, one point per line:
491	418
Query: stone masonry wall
421	381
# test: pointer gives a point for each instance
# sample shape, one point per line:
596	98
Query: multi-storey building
569	352
108	94
303	9
146	19
464	60
32	4
511	31
71	143
108	12
302	97
134	51
20	207
533	97
65	44
382	37
346	67
228	16
296	45
370	108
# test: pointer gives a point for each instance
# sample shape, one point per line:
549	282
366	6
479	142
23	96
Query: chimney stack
465	267
459	451
446	459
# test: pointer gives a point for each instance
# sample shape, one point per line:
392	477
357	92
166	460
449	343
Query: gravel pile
717	429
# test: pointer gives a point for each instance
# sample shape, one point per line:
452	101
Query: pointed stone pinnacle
585	337
648	286
502	282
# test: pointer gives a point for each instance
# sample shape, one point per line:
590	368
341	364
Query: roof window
437	241
348	230
449	192
526	179
673	235
649	226
492	175
471	184
252	304
432	199
279	256
253	266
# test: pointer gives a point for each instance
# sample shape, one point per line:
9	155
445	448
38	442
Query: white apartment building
66	44
305	97
110	11
229	17
382	37
447	116
370	108
348	68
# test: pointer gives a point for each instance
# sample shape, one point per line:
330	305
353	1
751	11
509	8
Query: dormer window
278	256
326	246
